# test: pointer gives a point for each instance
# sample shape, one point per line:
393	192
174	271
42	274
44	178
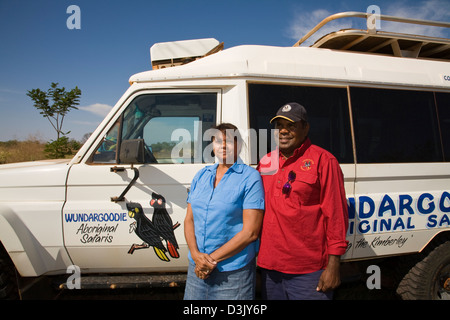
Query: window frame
433	108
350	103
443	129
118	117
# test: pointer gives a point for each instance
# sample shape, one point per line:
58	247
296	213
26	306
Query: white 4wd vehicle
380	102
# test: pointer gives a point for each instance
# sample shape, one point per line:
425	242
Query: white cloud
436	10
5	94
10	91
304	21
97	108
85	123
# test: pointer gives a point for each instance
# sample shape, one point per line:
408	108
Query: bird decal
148	232
163	223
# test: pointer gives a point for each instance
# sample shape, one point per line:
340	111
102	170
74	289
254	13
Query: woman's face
225	148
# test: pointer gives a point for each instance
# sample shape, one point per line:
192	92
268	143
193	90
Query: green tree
63	102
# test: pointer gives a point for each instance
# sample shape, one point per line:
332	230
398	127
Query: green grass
18	151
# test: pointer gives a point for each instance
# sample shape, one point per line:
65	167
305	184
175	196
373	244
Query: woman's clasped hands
204	265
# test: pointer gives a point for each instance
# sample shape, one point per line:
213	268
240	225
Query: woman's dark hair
223	127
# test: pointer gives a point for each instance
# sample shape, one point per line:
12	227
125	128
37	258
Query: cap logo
286	108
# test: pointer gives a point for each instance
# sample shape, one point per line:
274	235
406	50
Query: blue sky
37	48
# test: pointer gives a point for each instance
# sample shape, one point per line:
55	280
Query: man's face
290	135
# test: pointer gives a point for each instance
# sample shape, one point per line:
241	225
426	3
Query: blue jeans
229	285
282	286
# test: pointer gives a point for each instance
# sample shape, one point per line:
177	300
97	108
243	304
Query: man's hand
330	278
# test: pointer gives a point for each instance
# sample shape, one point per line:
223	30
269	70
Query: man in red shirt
306	217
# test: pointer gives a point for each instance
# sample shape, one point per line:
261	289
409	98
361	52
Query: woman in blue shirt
222	224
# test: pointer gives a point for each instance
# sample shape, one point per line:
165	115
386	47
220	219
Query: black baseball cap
292	111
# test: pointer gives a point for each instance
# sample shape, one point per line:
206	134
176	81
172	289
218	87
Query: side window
107	151
159	135
327	111
395	126
443	105
172	127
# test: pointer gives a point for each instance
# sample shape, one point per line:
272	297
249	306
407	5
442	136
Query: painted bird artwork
146	231
163	224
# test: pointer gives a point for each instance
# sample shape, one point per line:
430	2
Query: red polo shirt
302	228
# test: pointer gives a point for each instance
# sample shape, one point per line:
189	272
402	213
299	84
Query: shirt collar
299	151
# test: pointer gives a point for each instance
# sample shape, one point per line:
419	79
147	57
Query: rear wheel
428	277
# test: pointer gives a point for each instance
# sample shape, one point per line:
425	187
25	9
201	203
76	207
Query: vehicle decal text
389	213
95	217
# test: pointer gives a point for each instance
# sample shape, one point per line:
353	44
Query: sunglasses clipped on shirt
287	186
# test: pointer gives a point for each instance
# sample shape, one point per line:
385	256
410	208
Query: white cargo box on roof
167	54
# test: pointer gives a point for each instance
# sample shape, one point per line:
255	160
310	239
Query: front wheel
8	279
428	278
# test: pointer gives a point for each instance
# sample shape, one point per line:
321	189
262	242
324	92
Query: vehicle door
127	215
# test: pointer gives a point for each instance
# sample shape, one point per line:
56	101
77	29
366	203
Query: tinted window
395	126
327	111
443	104
107	151
171	125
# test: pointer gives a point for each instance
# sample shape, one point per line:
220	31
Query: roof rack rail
381	42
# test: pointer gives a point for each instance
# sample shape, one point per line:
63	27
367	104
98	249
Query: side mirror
132	151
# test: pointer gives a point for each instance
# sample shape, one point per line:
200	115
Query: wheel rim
442	284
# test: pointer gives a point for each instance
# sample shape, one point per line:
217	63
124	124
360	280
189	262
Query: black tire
428	277
8	277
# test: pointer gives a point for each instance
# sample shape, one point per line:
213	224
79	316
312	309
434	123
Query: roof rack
381	42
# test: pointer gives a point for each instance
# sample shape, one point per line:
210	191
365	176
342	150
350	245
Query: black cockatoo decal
163	224
154	232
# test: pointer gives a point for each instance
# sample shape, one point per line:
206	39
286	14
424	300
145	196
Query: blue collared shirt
218	211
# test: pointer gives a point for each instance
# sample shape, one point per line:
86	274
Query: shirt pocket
230	196
305	190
